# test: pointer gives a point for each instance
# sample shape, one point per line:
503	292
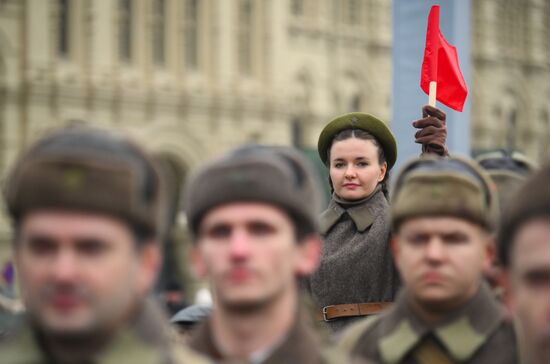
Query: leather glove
433	131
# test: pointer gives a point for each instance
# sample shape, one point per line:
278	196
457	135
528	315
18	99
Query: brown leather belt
331	312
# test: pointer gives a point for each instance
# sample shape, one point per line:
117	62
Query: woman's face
354	168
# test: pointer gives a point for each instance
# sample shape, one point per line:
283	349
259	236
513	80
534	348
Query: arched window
497	113
355	104
544	133
513	28
159	32
125	30
297	132
191	16
297	7
245	37
63	28
511	138
354	12
171	278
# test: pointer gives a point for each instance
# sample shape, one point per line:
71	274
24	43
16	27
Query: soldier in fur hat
443	213
85	206
252	214
525	254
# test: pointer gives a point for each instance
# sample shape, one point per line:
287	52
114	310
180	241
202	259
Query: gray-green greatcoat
147	340
356	264
476	333
301	345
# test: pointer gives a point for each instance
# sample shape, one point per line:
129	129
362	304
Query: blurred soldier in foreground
442	219
85	208
253	214
524	241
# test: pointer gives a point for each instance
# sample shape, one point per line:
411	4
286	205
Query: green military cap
452	186
363	121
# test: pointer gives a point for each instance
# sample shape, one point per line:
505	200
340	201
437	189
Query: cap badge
73	178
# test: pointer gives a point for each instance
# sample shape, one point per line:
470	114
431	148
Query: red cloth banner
441	65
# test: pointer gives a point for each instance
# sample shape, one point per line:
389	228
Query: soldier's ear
490	252
383	171
308	255
150	262
197	262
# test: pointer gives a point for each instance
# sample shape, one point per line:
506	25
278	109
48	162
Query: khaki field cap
433	186
274	175
508	170
362	121
86	169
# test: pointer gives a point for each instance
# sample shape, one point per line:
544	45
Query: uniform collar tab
396	345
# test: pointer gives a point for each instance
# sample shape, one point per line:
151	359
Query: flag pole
433	93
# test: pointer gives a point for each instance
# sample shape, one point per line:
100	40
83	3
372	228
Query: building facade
192	78
189	78
511	76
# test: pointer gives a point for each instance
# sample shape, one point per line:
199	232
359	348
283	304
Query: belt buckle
325	313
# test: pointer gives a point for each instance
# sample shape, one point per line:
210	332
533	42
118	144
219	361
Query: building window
191	34
125	30
296	132
511	138
353	12
297	7
159	33
63	28
545	131
245	37
497	113
355	104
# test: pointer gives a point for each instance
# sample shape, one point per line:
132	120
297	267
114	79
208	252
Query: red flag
441	65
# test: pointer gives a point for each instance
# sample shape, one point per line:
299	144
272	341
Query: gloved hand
433	131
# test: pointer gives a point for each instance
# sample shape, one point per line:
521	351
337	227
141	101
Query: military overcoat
356	264
476	333
147	340
300	345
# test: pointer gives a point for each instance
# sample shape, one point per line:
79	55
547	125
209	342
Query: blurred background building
192	78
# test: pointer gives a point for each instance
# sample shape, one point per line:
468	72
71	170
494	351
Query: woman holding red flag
356	276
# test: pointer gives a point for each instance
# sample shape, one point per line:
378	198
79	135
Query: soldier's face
530	285
354	168
81	273
249	253
441	260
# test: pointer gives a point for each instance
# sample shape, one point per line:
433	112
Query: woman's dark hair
363	135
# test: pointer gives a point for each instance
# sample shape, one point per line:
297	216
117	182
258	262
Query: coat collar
361	212
300	345
472	325
146	340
